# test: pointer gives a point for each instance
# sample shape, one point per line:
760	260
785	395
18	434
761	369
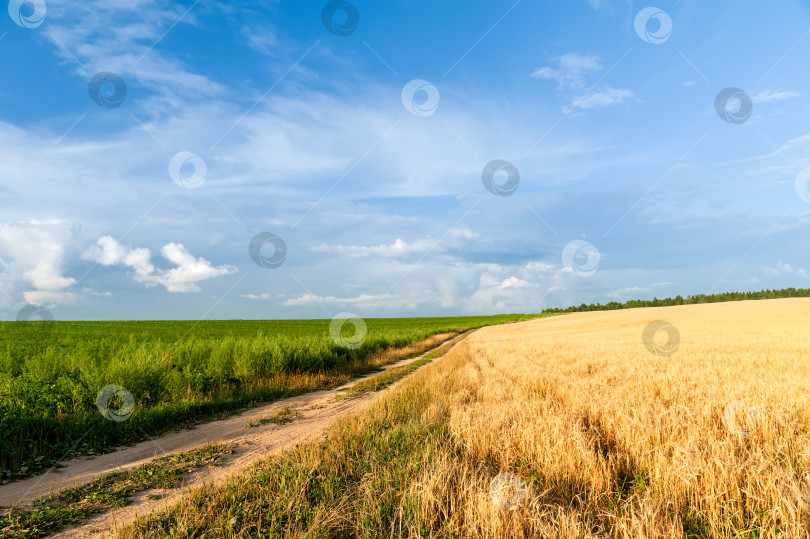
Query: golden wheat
574	426
581	401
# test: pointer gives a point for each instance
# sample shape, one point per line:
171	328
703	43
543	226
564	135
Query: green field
178	373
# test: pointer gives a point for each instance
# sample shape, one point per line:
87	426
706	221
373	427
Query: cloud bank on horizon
298	159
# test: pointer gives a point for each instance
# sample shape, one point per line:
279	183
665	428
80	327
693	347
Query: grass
316	488
609	439
443	349
74	506
390	376
383	380
178	373
368	385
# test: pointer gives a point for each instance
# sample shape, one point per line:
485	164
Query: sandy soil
317	409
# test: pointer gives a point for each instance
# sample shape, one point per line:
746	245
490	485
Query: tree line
688	300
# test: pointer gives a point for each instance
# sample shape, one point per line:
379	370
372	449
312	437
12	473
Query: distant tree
689	300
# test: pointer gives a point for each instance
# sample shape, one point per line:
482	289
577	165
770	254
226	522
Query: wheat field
571	426
715	433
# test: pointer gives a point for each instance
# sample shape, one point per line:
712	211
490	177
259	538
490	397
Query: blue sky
272	123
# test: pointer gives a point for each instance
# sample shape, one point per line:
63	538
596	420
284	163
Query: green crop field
177	373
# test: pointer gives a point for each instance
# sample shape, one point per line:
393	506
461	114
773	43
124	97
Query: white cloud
606	97
514	282
454	237
783	268
262	39
570	73
463	233
363	301
188	270
125	38
33	255
449	283
571	69
264	295
539	267
394	250
769	96
786	161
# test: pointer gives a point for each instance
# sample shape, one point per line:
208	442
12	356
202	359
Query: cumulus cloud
33	257
432	285
515	282
188	271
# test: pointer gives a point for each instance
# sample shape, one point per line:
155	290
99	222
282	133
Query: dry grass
610	439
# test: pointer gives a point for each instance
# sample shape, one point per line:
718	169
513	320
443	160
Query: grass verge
382	380
385	379
443	349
